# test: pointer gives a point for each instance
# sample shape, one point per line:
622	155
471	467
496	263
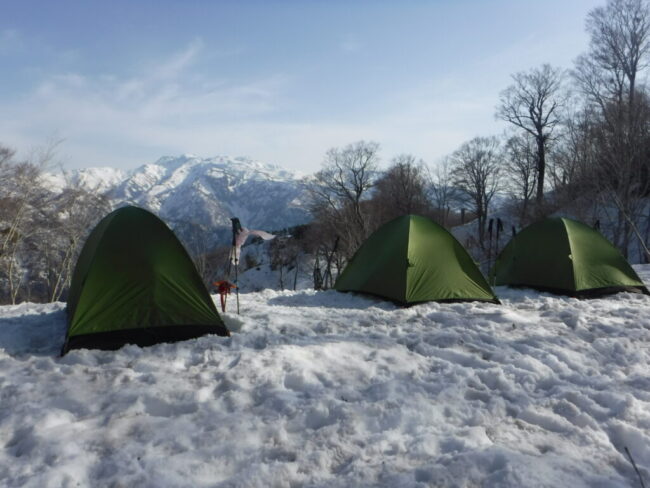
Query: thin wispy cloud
168	108
271	82
179	62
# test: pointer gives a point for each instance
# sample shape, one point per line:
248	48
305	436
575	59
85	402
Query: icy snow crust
321	389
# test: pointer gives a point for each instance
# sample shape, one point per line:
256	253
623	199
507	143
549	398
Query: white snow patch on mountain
328	389
99	180
202	192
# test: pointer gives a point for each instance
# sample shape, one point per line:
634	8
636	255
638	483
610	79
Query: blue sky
125	82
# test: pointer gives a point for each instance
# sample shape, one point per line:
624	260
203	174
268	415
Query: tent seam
573	257
408	257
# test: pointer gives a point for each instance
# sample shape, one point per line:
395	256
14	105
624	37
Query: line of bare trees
40	230
579	139
577	143
351	198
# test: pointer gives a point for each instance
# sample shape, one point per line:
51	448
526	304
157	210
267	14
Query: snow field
322	389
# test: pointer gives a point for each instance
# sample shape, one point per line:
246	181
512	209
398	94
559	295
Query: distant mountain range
201	194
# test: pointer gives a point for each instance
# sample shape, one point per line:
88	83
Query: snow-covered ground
321	389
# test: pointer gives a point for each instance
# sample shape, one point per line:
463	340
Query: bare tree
619	45
322	242
402	189
520	163
23	199
532	103
41	231
442	192
284	254
574	152
475	169
608	75
71	216
340	189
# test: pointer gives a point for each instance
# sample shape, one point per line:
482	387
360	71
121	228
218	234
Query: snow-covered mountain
99	180
202	193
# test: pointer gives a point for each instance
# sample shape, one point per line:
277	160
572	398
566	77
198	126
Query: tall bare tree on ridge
533	103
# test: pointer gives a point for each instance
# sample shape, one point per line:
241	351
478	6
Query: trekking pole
230	258
236	227
237	282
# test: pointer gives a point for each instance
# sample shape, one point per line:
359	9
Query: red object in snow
223	288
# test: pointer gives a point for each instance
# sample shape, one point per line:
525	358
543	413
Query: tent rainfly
134	283
567	257
412	259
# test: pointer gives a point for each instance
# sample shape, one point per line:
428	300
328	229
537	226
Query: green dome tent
412	259
567	257
134	283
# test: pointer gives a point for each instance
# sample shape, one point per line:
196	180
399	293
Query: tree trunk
541	168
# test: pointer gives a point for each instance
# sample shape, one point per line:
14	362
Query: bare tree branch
532	103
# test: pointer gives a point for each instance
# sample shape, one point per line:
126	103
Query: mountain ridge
189	191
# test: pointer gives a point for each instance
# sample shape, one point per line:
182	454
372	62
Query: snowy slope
205	193
321	389
99	180
210	191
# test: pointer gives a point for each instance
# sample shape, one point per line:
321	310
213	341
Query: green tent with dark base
412	259
567	257
134	283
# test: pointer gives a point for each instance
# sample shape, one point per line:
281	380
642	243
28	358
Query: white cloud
104	118
126	122
171	109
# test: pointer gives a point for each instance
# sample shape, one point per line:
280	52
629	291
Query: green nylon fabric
565	255
412	259
596	262
134	273
539	256
379	265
